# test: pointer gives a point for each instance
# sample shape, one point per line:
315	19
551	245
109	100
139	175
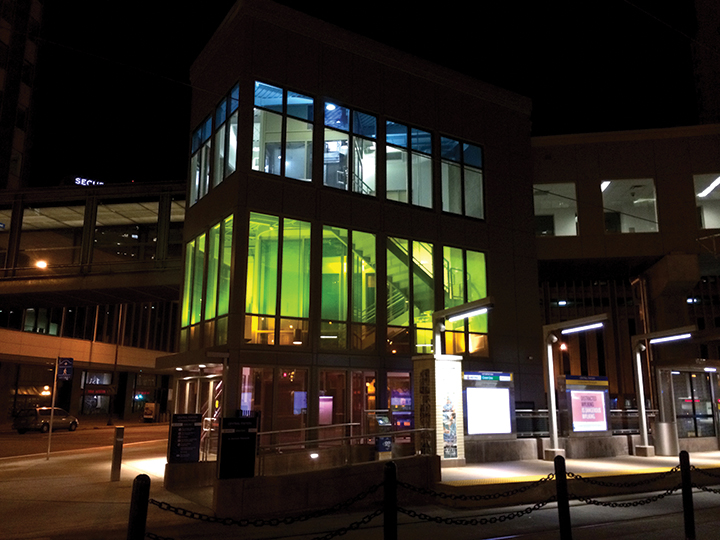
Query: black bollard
687	498
139	507
117	454
563	499
390	520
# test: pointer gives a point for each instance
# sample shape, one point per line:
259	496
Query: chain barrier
640	502
352	527
703	471
603	483
707	489
491	496
475	521
273	522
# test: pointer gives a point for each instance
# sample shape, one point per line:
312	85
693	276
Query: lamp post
442	400
567	327
665	431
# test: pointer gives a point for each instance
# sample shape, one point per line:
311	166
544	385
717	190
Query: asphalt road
32	442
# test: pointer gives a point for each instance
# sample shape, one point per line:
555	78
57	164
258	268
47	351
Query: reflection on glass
555	209
629	206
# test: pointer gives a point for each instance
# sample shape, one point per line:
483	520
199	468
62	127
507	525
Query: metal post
139	507
687	498
52	407
563	499
390	520
117	453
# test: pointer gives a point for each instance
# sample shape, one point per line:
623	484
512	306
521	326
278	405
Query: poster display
488	411
588	410
449	400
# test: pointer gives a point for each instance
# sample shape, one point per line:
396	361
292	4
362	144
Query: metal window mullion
278	285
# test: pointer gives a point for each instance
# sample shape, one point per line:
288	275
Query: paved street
70	496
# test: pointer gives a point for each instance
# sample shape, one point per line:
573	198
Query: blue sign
65	369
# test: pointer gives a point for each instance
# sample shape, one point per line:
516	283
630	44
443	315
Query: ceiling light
604	185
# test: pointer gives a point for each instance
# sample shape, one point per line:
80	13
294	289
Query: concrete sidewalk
71	496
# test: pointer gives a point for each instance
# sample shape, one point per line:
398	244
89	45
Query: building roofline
626	136
311	27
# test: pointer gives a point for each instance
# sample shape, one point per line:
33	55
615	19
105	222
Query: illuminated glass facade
358	209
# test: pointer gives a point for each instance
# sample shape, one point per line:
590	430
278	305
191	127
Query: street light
464	311
638	347
568	327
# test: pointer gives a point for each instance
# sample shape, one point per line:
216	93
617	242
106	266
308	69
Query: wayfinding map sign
185	431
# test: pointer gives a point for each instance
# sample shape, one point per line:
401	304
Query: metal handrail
261	433
349	438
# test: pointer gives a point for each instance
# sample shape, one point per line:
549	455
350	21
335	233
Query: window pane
219	158
451	187
225	266
334	274
300	106
231	156
220	113
629	205
473	193
5	224
450	149
335	159
396	134
472	156
421	180
125	231
54	234
262	264
397	174
187	287
333	335
298	150
364	166
421	141
295	284
212	279
707	198
234	98
423	284
454	282
363	277
337	117
257	394
364	124
555	209
268	97
476	287
198	268
267	137
398	283
332	401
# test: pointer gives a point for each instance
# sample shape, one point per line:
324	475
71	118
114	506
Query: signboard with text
588	410
185	432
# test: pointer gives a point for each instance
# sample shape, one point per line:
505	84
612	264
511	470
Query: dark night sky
112	95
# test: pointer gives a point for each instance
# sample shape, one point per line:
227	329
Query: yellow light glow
41	264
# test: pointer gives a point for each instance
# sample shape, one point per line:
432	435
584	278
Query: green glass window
398	283
363	277
187	286
225	266
423	285
197	280
295	286
334	274
212	273
262	265
476	288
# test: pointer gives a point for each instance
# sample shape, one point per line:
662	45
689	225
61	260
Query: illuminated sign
488	410
85	182
588	410
487	376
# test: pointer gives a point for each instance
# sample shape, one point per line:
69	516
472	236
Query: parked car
39	419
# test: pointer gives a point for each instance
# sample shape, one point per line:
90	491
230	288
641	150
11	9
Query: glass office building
339	193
